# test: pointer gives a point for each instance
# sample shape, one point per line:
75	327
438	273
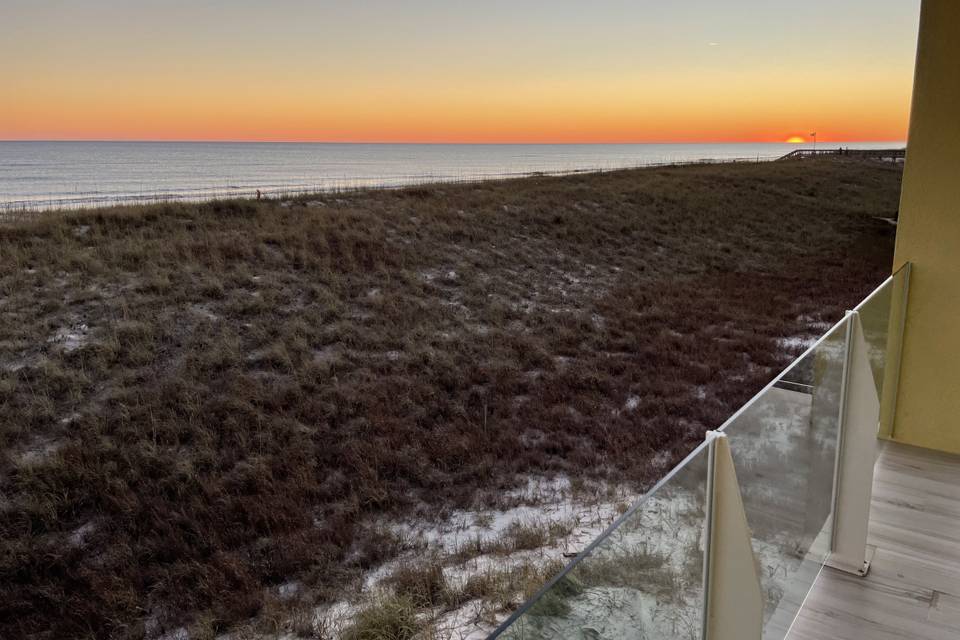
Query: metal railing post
708	528
732	599
858	420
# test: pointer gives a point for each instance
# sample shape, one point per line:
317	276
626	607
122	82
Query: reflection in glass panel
784	446
643	580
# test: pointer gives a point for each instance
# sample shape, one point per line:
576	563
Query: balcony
913	587
777	526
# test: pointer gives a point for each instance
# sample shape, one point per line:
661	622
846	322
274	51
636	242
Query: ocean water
40	175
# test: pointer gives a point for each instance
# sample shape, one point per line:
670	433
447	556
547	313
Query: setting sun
796	140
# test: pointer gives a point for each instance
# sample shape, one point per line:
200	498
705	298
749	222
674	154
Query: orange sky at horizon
108	71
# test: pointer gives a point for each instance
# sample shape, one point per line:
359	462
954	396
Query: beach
38	175
237	415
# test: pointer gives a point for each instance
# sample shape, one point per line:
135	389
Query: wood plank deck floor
913	588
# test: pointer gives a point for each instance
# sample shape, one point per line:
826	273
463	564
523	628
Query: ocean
43	175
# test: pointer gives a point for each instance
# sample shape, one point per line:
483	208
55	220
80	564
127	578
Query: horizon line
435	143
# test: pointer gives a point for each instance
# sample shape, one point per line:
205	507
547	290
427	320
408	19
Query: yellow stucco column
928	235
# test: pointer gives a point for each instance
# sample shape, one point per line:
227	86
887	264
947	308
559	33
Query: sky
457	71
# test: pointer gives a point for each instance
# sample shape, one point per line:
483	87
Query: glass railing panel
899	286
642	580
784	447
875	319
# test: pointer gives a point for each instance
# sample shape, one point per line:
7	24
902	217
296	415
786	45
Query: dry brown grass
201	402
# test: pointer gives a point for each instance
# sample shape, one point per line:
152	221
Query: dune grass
200	402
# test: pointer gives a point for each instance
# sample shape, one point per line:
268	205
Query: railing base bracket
861	570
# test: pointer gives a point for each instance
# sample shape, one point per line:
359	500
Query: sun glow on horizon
431	71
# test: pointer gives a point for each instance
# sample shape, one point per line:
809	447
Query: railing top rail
872	295
877	291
